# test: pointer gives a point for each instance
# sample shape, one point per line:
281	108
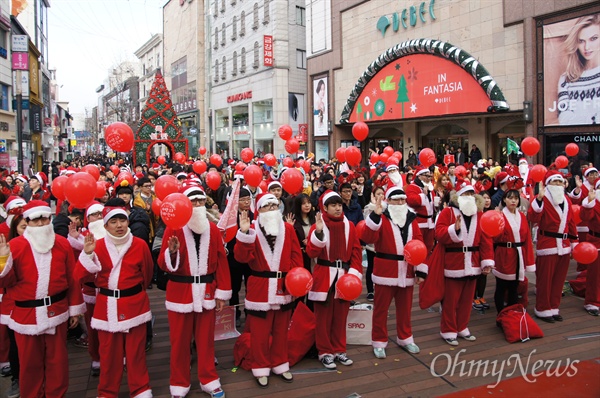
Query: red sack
242	355
578	284
518	325
301	334
431	291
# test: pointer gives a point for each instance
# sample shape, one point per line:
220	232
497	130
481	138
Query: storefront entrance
589	149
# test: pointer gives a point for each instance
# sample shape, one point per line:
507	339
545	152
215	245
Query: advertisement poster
296	111
572	71
320	107
322	150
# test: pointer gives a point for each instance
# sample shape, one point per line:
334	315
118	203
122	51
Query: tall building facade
150	55
8	143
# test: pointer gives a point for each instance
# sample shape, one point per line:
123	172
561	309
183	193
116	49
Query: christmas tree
402	93
158	124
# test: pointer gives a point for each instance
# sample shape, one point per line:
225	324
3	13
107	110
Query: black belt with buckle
269	274
558	235
463	249
192	278
596	234
132	291
43	302
422	216
334	264
389	256
509	244
90	284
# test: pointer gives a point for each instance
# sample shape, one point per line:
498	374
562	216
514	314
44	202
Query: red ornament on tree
360	131
530	146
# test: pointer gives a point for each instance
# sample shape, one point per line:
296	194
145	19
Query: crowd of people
84	273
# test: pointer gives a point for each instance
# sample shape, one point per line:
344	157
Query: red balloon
100	189
165	185
398	155
292	145
492	223
360	131
561	162
202	150
264	187
389	150
199	166
393	160
538	172
340	154
58	187
360	228
240	166
115	169
176	210
292	181
427	157
306	166
124	176
285	132
80	190
374	158
576	213
179	158
161	159
572	149
270	160
460	171
217	160
213	180
92	170
300	164
353	156
288	162
253	175
585	253
415	252
247	154
530	146
298	281
156	206
348	287
119	137
384	157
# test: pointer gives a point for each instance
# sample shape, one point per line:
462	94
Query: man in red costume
590	211
578	195
420	198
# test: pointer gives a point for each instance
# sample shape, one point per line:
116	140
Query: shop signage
407	17
587	138
239	97
184	106
20	61
268	50
19	43
241	132
47	121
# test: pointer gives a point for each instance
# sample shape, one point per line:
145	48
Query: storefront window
222	131
241	129
263	129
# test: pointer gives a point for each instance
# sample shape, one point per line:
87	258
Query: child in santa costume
552	211
420	197
123	266
467	253
199	283
271	248
334	243
578	195
513	251
590	212
38	268
390	230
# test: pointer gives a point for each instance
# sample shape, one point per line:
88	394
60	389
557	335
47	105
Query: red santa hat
137	176
523	161
328	194
112	211
238	175
502	178
14	202
264	199
192	190
95	207
41	177
23	178
552	175
589	170
274	184
421	170
463	186
155	166
389	167
395	192
36	209
181	175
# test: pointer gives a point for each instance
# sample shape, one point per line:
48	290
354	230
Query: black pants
13	356
480	289
502	288
370	261
238	272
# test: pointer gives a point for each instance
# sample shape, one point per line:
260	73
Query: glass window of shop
262	119
222	131
241	129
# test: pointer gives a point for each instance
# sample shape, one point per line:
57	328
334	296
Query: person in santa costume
390	230
578	195
199	284
334	243
38	268
590	212
37	183
513	251
271	248
13	206
123	266
420	198
527	189
394	176
552	211
468	253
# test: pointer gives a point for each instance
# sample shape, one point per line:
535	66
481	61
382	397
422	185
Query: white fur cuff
76	310
354	272
169	263
248	238
222	294
424	268
318	243
76	244
536	207
90	262
453	235
587	204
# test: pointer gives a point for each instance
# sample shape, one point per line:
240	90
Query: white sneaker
469	337
379	353
411	348
452	342
328	361
343	359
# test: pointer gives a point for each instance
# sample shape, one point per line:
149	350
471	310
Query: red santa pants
582	238
551	272
592	286
4	344
93	343
113	347
428	238
331	319
456	307
403	299
200	326
273	356
44	364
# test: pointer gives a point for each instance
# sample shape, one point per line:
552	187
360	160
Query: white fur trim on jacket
453	235
249	237
122	326
273	259
222	294
317	296
76	310
76	244
169	263
89	299
537	208
424	268
461	272
354	272
90	262
551	251
316	241
198	266
380	280
371	225
587	204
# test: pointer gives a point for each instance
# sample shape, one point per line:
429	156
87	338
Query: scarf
336	228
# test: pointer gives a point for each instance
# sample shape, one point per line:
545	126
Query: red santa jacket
87	284
388	239
458	264
119	270
590	212
323	276
508	259
209	260
30	276
422	204
5	229
553	219
578	200
263	294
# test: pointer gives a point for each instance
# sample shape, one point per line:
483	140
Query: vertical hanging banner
268	50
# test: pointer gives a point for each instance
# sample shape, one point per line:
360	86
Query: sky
87	38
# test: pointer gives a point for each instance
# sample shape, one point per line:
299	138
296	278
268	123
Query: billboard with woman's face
320	107
572	71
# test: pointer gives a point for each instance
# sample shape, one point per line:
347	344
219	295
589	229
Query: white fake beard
270	221
40	238
523	170
557	193
199	222
398	214
97	229
467	205
395	177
